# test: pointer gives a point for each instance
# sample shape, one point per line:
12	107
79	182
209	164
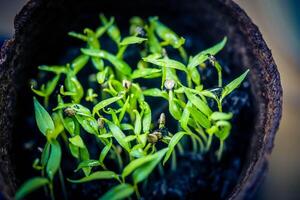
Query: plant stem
209	142
62	182
136	189
52	196
120	161
174	161
220	150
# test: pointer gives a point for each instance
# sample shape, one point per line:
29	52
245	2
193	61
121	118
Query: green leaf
54	159
45	154
30	186
78	36
42	117
126	127
146	117
118	192
132	40
185	116
166	33
145	170
89	124
224	130
118	135
113	31
233	85
119	64
199	117
203	55
174	108
173	142
145	73
105	103
165	62
79	62
88	163
105	151
155	92
55	69
134	164
99	175
198	103
215	116
138	123
77	141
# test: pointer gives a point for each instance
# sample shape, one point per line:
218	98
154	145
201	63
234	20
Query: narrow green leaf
79	62
118	135
105	103
224	130
155	92
173	142
89	124
99	175
105	151
118	192
220	116
42	117
134	164
30	186
138	123
77	141
78	36
132	40
233	85
145	73
54	159
119	64
113	31
126	127
199	117
203	55
145	170
55	69
88	163
198	103
174	108
146	117
185	116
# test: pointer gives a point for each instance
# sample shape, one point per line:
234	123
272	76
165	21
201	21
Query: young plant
117	112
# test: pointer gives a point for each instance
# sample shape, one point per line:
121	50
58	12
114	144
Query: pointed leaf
42	117
173	142
99	175
118	192
29	186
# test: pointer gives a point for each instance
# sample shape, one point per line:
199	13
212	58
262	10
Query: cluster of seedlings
116	112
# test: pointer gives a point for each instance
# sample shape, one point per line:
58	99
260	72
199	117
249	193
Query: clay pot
40	34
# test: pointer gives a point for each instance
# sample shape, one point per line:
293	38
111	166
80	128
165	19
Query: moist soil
196	176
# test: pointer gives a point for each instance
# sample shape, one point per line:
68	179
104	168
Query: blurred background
279	22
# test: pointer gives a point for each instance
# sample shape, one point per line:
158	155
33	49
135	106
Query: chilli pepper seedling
113	108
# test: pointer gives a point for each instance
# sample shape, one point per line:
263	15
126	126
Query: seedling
120	117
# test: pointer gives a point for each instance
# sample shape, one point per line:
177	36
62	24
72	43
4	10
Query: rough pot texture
41	29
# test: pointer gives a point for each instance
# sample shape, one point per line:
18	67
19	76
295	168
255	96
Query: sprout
119	117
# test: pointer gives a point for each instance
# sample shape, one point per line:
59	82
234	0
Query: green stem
52	196
174	161
120	161
136	189
180	149
62	182
220	150
210	137
183	54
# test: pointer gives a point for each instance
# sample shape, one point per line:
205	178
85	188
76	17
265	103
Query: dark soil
197	176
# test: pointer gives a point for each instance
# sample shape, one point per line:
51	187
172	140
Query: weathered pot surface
41	27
